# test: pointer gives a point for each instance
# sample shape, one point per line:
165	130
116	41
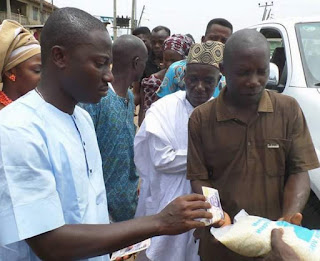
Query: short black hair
160	27
141	30
219	21
67	27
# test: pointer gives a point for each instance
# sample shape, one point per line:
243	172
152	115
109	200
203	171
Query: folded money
131	249
212	196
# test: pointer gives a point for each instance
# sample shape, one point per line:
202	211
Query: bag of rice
251	236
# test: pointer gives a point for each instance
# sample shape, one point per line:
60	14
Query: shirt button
84	144
249	143
90	171
99	200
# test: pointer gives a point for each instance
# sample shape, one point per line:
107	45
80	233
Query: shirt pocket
272	154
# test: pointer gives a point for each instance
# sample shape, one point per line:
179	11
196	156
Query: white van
295	53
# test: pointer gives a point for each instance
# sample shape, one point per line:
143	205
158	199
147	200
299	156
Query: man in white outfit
161	149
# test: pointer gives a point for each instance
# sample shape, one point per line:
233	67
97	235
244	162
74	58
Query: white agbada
160	149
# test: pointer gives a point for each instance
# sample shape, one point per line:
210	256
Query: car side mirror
273	80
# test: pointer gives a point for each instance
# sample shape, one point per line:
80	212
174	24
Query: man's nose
108	76
200	86
254	81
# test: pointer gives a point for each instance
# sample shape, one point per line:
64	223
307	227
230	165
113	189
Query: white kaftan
160	149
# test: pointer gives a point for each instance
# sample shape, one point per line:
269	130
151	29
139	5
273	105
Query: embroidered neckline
4	99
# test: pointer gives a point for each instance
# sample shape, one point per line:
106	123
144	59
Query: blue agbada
115	129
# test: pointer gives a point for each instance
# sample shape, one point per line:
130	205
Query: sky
186	16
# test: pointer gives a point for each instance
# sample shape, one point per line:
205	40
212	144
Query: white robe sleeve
165	158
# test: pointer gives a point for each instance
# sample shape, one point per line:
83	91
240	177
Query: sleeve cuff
26	221
304	168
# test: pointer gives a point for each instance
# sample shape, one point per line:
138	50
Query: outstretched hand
280	251
223	222
294	219
198	233
181	214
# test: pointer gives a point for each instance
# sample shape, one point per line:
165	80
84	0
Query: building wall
32	16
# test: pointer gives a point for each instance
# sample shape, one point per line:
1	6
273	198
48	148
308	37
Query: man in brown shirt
252	145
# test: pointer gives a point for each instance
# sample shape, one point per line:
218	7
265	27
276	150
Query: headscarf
17	45
178	43
210	52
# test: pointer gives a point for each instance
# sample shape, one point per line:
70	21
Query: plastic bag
251	236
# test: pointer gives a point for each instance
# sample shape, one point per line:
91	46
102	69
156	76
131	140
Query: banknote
212	196
131	249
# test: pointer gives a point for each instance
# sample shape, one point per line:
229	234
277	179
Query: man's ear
221	66
202	39
135	62
59	56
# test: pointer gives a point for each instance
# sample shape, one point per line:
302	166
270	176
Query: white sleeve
165	158
29	202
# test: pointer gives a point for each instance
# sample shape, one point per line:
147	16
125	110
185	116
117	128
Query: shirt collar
111	86
223	114
188	105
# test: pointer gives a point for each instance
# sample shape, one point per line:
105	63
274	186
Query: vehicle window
308	35
277	55
274	43
274	38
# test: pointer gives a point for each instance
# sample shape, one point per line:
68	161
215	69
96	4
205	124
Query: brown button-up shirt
249	163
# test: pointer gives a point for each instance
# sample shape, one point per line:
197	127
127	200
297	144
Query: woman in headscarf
20	62
176	48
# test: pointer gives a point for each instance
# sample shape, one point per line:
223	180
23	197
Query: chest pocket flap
271	154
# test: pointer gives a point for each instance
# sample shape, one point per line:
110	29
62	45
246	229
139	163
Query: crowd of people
78	178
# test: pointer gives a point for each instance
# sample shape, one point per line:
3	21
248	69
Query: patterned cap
210	52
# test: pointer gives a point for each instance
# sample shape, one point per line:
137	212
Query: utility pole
114	20
141	15
41	12
133	15
269	15
266	5
8	9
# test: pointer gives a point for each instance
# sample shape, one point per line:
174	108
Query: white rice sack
251	236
